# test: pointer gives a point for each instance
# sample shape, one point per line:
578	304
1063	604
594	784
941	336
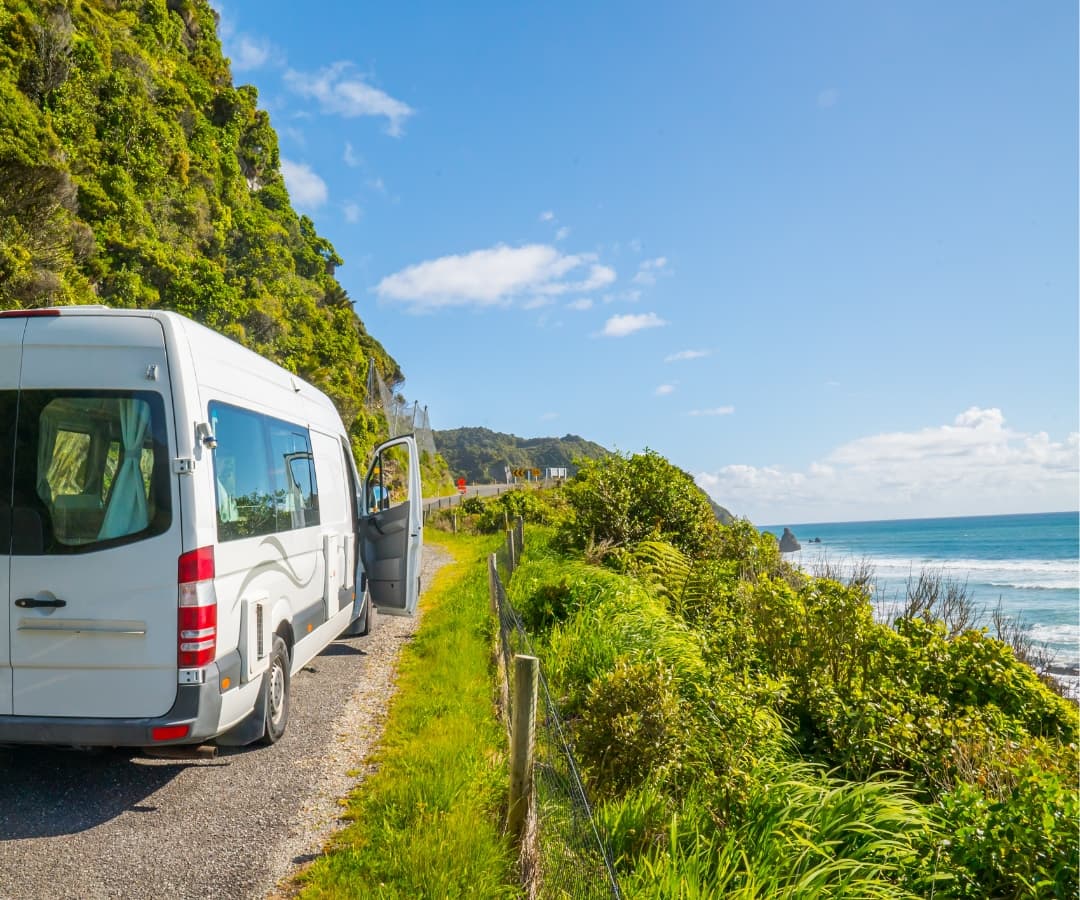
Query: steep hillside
133	172
481	455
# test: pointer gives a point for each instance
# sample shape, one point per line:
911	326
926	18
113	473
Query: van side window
294	476
91	470
264	479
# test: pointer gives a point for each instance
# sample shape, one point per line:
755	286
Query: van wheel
277	693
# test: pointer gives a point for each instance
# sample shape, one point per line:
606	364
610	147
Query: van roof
199	336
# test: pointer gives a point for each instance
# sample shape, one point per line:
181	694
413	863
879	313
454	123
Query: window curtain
127	511
47	431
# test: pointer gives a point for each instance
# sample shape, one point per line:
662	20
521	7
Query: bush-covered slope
481	455
749	730
133	172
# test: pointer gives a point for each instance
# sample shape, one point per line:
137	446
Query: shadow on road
46	792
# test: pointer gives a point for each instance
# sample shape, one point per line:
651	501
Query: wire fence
401	417
565	854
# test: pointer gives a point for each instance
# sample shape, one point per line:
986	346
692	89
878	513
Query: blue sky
822	256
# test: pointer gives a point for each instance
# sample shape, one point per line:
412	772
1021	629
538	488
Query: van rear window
91	470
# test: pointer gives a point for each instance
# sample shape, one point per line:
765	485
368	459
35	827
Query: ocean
1030	563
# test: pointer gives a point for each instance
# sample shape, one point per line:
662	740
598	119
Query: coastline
1069	679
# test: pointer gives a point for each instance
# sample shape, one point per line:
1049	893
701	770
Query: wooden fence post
522	741
519	526
511	551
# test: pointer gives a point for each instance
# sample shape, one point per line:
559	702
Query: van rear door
392	526
92	599
11	334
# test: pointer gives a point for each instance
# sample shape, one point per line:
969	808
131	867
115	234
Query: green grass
429	822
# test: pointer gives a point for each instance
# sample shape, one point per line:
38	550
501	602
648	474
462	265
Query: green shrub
618	500
755	552
611	618
494	514
472	506
632	726
1016	837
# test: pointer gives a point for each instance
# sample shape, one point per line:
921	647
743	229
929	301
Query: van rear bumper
197	706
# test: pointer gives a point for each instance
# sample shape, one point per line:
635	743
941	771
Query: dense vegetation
751	731
481	456
134	173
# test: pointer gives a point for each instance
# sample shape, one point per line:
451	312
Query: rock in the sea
788	542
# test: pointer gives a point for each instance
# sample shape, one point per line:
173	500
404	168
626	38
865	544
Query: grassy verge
428	823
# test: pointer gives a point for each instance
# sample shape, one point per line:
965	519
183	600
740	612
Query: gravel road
84	824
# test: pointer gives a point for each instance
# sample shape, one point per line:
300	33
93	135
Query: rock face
788	542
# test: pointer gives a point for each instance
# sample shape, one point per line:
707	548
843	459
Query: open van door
392	526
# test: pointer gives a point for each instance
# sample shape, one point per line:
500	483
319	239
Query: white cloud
713	411
562	234
377	184
547	216
663	390
648	270
294	134
580	305
342	93
352	213
247	53
687	354
630	296
307	190
975	465
548	416
621	326
828	98
496	276
537	303
351	158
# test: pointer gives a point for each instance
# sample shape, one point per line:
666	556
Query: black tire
276	698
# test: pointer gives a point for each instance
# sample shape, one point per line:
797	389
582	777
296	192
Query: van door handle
33	602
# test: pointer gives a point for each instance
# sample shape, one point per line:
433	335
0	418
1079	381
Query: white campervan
182	529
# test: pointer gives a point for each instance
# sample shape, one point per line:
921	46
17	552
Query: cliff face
133	172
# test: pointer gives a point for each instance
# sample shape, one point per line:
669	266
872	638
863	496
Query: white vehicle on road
182	529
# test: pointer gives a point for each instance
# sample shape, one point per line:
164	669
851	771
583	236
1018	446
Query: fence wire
401	417
573	860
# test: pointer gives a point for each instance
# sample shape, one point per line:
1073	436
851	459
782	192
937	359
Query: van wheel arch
276	692
285	632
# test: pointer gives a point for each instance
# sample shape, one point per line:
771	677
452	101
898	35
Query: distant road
471	490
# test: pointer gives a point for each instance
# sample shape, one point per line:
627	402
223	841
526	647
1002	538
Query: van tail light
197	621
29	313
170	732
